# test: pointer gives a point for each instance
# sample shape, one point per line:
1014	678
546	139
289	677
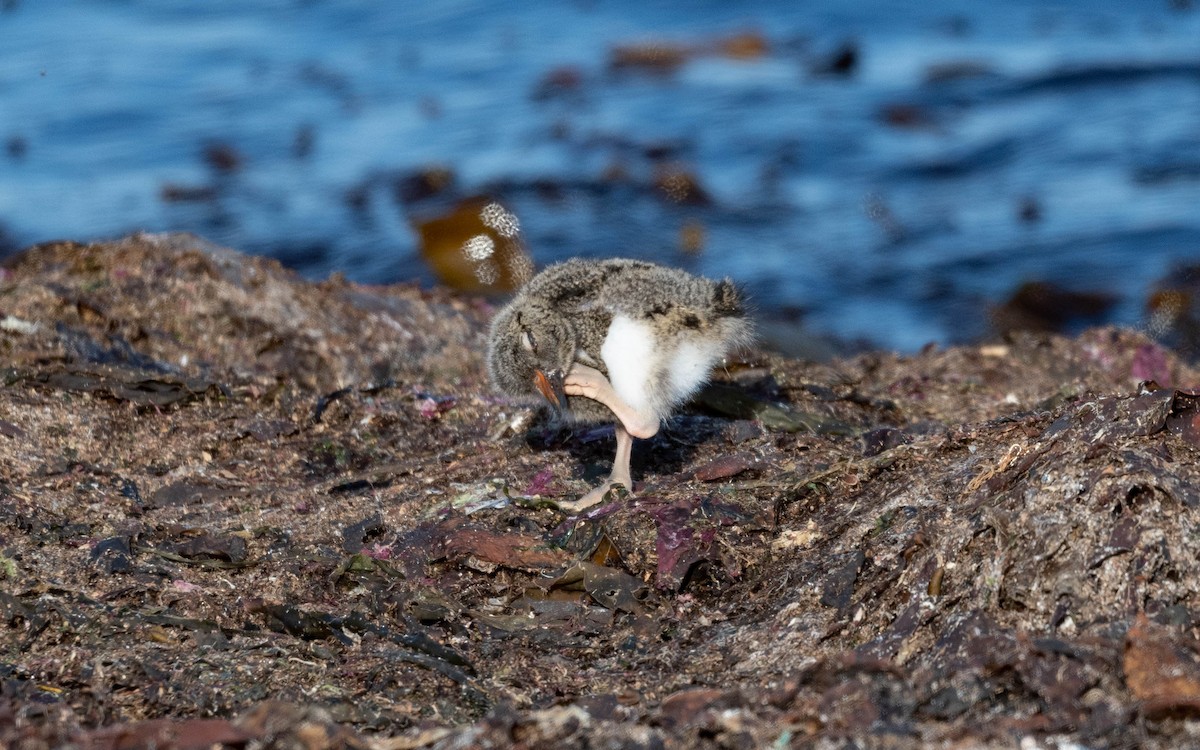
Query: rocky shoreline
238	507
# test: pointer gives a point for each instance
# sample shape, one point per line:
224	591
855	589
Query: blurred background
874	173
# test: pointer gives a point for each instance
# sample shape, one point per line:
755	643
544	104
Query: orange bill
551	388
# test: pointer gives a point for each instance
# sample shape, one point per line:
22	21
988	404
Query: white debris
502	220
479	247
16	325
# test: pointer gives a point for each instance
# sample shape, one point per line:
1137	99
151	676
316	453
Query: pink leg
620	474
589	382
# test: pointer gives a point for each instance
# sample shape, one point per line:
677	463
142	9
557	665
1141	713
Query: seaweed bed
240	509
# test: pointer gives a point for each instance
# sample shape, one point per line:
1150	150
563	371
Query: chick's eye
528	342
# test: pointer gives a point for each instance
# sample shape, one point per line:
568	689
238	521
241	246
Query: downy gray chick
615	340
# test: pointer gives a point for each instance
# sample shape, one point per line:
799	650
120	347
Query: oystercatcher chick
622	341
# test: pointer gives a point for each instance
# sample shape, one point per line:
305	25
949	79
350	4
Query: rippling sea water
953	151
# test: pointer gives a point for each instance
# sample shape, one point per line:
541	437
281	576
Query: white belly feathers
652	375
630	354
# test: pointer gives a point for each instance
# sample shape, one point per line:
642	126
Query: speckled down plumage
661	329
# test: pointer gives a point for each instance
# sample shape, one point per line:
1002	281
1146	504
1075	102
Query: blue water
1087	111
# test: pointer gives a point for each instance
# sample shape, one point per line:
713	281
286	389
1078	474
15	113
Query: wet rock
841	61
423	184
223	157
663	58
652	57
565	80
1042	306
